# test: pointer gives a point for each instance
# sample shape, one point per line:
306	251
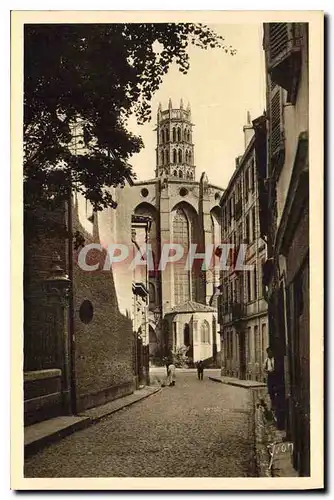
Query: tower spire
181	103
170	104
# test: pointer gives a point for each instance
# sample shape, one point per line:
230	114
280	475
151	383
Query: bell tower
175	149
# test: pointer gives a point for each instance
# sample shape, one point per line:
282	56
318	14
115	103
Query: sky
220	89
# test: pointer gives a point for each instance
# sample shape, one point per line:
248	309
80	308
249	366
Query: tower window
180	156
162	136
188	138
162	157
175	173
179	134
174	135
167	156
186	156
180	174
189	157
167	135
174	154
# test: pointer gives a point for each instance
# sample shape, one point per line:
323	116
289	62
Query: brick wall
104	346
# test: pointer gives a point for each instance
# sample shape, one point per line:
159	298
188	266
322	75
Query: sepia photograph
164	305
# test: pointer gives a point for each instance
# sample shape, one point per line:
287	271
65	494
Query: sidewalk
44	433
247	384
273	451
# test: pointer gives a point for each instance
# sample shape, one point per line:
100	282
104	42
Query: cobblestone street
201	429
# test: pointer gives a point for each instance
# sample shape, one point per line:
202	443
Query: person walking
200	370
270	371
171	375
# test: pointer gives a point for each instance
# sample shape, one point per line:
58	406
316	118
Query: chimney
248	131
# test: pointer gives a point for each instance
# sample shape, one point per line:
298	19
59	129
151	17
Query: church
183	211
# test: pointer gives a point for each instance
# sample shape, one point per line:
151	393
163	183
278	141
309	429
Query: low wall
43	398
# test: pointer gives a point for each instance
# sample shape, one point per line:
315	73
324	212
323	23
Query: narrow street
195	429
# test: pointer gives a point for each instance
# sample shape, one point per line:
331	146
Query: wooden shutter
278	39
275	120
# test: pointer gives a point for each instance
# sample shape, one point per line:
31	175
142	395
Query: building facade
184	212
243	315
286	203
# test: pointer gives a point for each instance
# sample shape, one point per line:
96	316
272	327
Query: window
249	286
205	332
283	48
162	157
181	275
189	157
162	136
175	173
174	155
179	134
246	183
180	174
186	156
186	335
255	282
180	156
254	224
264	341
249	344
174	135
151	293
167	157
167	135
247	228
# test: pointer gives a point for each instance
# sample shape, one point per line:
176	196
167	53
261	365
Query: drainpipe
71	303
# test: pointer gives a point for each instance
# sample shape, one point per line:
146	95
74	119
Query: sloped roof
190	307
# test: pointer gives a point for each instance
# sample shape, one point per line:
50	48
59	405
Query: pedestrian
171	375
270	371
200	370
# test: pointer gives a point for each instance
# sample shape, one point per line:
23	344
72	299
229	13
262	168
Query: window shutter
275	121
278	39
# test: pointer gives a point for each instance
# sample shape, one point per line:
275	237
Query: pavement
47	432
273	452
195	429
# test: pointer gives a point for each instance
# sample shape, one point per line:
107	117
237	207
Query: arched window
167	135
151	289
181	274
186	156
179	134
180	156
180	174
174	155
162	136
189	157
162	157
189	136
205	332
175	173
167	157
185	134
186	335
174	135
191	176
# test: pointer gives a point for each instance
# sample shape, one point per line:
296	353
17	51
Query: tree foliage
98	74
